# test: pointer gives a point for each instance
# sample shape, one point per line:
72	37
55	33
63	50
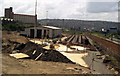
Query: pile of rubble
78	40
36	52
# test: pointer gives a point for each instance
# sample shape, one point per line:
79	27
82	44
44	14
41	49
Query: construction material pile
78	40
36	52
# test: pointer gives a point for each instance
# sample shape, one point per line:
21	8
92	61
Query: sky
104	10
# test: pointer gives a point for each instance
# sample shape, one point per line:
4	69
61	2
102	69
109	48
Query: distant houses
110	30
80	25
113	30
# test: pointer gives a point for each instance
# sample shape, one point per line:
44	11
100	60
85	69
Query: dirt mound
53	55
19	39
8	37
12	40
34	51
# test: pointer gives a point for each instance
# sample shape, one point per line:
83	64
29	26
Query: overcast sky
105	10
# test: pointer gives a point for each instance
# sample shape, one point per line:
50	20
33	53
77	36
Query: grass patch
106	35
114	60
14	27
71	31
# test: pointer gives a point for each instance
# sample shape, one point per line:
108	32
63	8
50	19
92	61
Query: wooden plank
39	56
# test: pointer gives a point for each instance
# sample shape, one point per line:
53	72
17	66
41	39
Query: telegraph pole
36	8
35	19
46	17
47	21
46	14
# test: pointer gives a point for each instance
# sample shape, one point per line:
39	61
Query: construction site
31	47
69	54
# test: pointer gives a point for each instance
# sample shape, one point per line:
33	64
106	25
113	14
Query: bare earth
11	65
28	66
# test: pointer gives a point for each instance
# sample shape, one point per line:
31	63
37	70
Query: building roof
25	15
113	28
51	27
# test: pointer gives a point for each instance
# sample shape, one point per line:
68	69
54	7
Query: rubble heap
36	52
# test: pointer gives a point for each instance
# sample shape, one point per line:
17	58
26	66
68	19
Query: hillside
79	24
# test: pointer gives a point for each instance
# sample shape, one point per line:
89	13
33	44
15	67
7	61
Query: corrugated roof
51	27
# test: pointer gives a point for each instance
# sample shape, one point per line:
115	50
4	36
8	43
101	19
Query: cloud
95	13
119	6
74	9
1	8
100	16
19	6
103	0
98	7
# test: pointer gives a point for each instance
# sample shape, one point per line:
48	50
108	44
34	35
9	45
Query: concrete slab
77	58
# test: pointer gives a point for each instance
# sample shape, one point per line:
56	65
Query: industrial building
8	12
42	32
21	18
27	19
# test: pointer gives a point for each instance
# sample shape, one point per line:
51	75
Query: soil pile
34	50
